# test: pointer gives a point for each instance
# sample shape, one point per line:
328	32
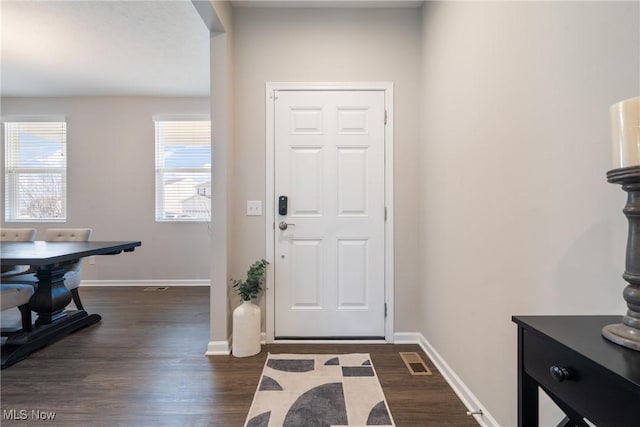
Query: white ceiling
103	48
116	47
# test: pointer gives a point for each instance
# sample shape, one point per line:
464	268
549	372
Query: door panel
352	181
306	278
306	168
329	259
352	274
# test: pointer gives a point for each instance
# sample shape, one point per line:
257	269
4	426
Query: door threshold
292	340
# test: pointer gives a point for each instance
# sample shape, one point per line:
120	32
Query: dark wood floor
144	365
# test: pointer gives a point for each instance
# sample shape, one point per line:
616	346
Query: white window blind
183	170
35	171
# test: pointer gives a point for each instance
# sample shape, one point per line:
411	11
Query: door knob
283	225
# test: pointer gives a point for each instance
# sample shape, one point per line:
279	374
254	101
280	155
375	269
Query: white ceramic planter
246	330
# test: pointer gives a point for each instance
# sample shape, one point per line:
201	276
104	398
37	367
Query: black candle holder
627	333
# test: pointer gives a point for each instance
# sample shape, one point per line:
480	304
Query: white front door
329	266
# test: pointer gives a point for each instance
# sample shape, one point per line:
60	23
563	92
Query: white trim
218	348
387	88
269	212
389	230
407	338
33	118
357	86
470	401
175	283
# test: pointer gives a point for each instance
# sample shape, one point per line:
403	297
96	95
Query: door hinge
385	213
385	309
385	117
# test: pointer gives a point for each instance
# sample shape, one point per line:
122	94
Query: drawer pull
559	373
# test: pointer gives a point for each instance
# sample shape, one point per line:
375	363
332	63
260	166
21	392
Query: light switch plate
254	207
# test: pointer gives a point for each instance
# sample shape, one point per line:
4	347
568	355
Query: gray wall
111	185
516	216
328	45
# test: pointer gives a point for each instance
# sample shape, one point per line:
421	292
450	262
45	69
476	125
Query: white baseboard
469	400
147	283
218	348
407	338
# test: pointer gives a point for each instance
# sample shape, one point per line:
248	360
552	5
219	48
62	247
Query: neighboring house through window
183	170
35	170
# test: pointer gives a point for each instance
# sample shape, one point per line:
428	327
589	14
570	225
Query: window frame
161	171
12	171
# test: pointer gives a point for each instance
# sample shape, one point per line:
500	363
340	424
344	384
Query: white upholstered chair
15	235
73	274
14	294
17	295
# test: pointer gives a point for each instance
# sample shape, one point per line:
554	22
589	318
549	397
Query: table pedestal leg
51	297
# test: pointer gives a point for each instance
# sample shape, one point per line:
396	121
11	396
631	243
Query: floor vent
414	363
156	288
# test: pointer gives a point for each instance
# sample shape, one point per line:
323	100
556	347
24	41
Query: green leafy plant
249	289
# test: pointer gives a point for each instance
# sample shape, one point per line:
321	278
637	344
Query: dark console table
51	296
583	373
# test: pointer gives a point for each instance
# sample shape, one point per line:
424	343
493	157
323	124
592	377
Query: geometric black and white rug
319	390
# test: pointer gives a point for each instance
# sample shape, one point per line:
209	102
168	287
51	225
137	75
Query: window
183	170
35	171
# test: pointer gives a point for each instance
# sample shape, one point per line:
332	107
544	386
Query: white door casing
330	152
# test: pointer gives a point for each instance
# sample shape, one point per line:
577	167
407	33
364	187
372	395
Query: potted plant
246	317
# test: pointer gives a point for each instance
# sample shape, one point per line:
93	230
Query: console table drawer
580	383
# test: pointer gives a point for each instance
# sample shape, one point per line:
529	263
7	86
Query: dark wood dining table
51	296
